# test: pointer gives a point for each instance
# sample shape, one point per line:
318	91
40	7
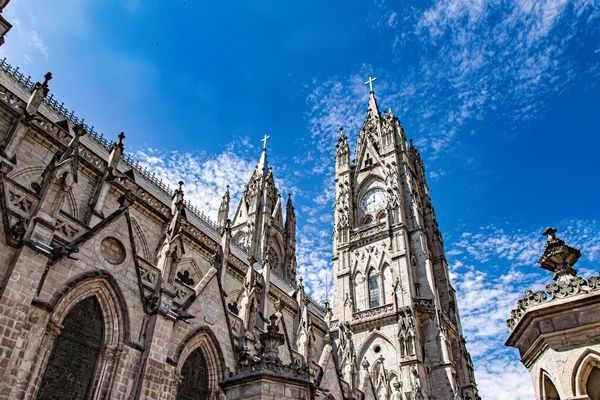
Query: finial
47	77
180	183
264	140
558	257
370	83
365	364
121	137
410	141
79	130
551	233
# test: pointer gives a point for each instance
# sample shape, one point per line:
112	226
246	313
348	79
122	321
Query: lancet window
373	283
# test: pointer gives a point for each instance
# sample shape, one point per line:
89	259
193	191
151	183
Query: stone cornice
575	288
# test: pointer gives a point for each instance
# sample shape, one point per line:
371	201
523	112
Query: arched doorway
70	370
592	385
194	382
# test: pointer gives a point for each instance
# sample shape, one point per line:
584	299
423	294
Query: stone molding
554	291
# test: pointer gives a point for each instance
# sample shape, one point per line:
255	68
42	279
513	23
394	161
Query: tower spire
262	162
373	108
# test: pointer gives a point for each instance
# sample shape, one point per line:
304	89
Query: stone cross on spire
370	83
264	140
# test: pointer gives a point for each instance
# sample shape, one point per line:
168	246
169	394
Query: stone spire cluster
258	222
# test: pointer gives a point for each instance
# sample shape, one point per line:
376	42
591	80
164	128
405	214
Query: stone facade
112	286
557	330
394	308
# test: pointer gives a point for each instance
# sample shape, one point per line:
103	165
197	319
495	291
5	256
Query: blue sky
501	97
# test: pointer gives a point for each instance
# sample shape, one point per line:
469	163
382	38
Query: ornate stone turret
223	214
258	222
39	92
556	330
171	249
57	179
18	132
290	241
103	185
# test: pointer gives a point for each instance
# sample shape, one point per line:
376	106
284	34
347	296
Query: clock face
373	200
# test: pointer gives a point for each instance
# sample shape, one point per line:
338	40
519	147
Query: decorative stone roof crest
558	258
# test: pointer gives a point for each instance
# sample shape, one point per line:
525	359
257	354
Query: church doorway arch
72	363
199	366
194	381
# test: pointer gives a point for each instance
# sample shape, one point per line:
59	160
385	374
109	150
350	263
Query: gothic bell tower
392	295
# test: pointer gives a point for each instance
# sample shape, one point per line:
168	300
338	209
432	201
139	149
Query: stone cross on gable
264	140
370	83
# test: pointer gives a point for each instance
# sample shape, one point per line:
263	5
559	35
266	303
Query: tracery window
194	383
373	289
70	370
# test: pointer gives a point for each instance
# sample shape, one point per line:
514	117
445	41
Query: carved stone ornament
558	257
211	310
112	250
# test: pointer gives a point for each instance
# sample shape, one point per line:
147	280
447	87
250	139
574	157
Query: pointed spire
39	92
116	152
223	209
373	108
289	208
262	166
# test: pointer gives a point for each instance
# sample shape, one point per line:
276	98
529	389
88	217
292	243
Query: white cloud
205	177
38	43
486	59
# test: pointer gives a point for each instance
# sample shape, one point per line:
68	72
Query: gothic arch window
367	220
550	392
592	385
72	363
373	283
386	285
586	375
359	291
194	378
410	344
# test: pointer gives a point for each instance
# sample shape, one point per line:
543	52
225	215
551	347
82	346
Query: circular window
377	349
113	250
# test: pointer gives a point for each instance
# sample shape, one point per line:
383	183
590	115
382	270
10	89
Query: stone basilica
112	286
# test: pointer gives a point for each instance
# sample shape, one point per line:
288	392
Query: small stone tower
394	306
556	330
258	223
